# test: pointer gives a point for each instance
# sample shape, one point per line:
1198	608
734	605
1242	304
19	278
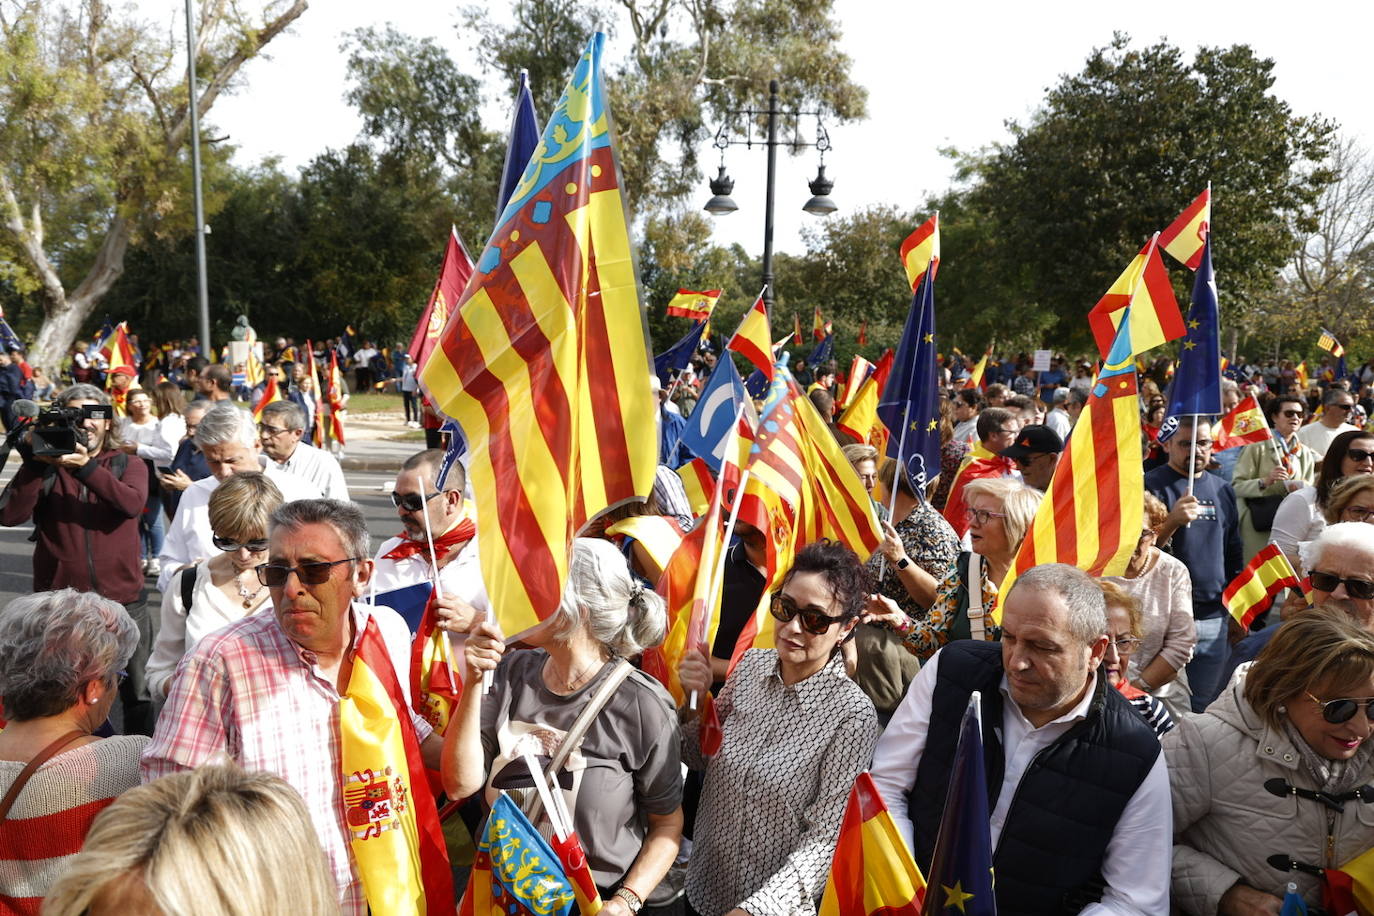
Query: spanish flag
753	340
545	364
1243	425
1185	235
317	392
860	418
1251	593
119	351
796	330
335	394
872	872
393	825
1300	373
270	394
1143	291
699	483
976	379
689	303
817	324
920	249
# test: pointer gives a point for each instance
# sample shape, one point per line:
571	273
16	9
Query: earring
1283	710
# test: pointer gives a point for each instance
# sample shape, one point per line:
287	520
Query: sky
938	75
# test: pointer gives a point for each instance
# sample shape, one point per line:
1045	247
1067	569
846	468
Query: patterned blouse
932	545
775	793
951	457
932	631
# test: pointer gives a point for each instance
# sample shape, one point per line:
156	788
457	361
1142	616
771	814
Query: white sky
938	74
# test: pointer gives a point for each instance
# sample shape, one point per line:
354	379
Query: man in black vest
1077	787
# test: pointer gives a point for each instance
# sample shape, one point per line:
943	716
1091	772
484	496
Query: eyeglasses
1343	709
1340	406
1293	414
270	431
228	546
1125	645
1358	514
1026	461
1009	432
1359	589
309	573
982	516
411	502
813	622
1359	455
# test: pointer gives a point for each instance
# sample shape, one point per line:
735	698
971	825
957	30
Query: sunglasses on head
1343	709
229	546
274	576
1360	589
784	609
412	502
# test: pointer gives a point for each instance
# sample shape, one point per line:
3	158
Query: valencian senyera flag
1184	237
515	872
394	831
545	364
872	872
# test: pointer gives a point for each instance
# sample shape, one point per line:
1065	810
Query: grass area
374	402
410	435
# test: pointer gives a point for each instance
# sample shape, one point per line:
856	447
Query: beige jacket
1226	825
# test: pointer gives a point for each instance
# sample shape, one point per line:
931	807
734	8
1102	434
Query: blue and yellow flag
515	871
1196	388
961	870
910	403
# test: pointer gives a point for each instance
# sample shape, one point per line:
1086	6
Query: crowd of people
1144	753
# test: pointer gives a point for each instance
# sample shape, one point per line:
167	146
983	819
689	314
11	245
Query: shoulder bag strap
32	766
975	598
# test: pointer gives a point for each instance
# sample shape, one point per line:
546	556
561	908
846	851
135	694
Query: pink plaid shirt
248	692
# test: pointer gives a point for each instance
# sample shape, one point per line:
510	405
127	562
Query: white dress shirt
1137	863
318	468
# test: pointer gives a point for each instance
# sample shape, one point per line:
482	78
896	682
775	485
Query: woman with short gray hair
622	781
62	656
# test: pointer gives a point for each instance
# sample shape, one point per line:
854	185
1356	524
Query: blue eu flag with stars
910	403
961	871
1196	389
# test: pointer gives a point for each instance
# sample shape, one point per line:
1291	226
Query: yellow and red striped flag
859	370
119	352
335	394
1092	512
860	418
270	394
393	826
545	365
872	872
796	330
976	379
317	392
1251	592
754	340
1327	341
699	483
862	339
920	249
1300	374
690	303
1185	236
1243	425
817	324
1143	291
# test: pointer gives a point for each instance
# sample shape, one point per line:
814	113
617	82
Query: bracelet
630	897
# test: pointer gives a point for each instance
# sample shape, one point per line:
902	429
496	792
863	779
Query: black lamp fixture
721	186
820	203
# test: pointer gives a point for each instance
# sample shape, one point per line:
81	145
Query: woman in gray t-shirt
623	781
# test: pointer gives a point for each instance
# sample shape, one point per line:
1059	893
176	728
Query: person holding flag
1268	471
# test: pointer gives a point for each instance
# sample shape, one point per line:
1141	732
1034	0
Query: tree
1116	151
93	116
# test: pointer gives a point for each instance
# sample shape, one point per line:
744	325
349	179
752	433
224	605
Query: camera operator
85	506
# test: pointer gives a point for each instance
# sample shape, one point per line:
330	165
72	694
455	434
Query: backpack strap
188	587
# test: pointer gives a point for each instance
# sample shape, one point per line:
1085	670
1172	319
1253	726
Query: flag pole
1192	456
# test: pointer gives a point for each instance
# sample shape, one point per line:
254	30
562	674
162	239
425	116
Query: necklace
247	595
568	685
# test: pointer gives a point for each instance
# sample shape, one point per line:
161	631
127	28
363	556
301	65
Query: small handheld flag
1251	593
921	251
961	869
753	340
1328	342
1186	235
688	303
1243	425
872	872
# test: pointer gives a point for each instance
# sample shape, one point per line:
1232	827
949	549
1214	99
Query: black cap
1034	440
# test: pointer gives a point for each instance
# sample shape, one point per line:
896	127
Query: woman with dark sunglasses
1301	515
1246	774
1268	471
797	733
204	597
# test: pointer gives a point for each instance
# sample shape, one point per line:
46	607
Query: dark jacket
86	524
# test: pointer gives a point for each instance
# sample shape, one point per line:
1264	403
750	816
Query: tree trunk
64	314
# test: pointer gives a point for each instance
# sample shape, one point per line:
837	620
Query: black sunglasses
228	546
1360	589
412	502
1359	454
813	622
309	573
1343	710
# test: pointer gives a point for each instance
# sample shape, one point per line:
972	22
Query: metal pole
768	203
202	285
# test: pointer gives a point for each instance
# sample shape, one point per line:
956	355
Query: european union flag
708	428
676	357
524	137
910	404
1196	389
756	384
823	352
960	876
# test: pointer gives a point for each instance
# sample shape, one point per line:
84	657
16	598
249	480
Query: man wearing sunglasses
281	429
1036	454
269	690
1337	404
430	510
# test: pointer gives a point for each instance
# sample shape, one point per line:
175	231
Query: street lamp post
722	185
202	285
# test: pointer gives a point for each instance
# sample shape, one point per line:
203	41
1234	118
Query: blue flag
708	428
524	137
756	384
1293	904
8	339
910	403
676	357
514	868
823	352
1196	388
960	876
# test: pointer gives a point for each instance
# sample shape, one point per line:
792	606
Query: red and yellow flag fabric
335	394
1326	340
1185	236
317	392
753	340
573	857
118	351
1243	425
920	249
545	365
872	872
394	829
1300	374
436	673
1349	890
693	304
862	339
817	324
1251	592
699	483
270	394
976	379
1143	291
859	369
796	330
454	273
860	418
515	872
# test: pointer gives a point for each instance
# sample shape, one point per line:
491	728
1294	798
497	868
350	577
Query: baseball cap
1033	440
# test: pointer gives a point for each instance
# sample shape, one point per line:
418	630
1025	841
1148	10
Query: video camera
57	430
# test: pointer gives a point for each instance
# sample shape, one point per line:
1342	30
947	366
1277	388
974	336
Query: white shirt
1059	421
1317	436
316	467
157	440
404	585
181	628
1297	521
189	536
966	431
1139	856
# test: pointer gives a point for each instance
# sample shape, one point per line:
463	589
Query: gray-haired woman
623	781
62	656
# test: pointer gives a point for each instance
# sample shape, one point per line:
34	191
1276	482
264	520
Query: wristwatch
631	899
903	563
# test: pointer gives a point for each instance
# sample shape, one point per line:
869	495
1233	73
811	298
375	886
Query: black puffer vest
1049	856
